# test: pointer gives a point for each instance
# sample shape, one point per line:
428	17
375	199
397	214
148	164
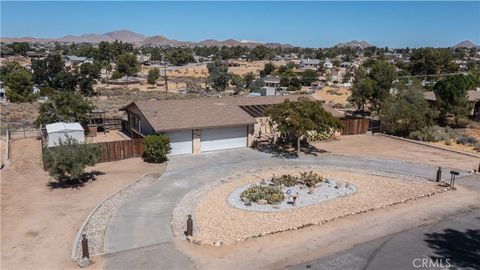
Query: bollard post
189	226
439	174
85	253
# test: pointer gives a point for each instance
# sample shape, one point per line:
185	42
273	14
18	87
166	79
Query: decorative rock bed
304	196
221	218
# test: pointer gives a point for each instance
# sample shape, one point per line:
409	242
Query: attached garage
181	142
212	139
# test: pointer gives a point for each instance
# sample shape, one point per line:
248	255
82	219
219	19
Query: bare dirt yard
334	96
38	223
380	146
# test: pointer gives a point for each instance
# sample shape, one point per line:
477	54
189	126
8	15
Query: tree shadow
461	248
75	183
287	152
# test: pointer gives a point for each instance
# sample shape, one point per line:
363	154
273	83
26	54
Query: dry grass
334	96
39	224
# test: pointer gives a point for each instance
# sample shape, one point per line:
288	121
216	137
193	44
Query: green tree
179	56
65	107
237	81
153	75
267	69
294	120
308	77
64	80
88	74
68	160
218	75
452	96
156	147
406	112
248	78
127	64
256	85
19	86
383	74
45	70
362	89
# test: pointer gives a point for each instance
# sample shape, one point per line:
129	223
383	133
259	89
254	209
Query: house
3	96
268	91
328	64
73	60
310	63
205	124
473	98
272	81
127	81
61	131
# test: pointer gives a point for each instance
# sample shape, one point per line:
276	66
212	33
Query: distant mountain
132	37
354	44
465	44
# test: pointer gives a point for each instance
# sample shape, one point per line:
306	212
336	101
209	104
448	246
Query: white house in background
61	131
328	64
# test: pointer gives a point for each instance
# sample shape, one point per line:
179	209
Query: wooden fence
354	126
119	150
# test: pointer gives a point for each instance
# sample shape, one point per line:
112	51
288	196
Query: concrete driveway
142	224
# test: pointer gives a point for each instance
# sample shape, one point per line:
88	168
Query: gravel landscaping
96	224
217	222
304	195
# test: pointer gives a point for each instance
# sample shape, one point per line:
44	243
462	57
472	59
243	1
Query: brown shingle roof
473	95
167	115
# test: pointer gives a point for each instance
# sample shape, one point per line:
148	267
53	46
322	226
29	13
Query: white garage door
223	138
180	141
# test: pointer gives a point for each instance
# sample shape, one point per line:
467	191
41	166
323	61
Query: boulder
262	202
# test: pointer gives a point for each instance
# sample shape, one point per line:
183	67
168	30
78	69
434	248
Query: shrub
310	179
433	134
254	193
285	180
68	160
156	147
467	140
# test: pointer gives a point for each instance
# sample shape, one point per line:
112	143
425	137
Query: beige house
205	124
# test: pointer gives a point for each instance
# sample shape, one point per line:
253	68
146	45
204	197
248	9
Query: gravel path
214	216
97	222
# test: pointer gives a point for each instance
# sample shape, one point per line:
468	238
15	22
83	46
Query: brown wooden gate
354	126
119	150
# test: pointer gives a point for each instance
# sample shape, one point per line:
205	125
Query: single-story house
61	131
205	124
473	98
310	63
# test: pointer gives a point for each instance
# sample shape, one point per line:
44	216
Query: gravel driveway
145	219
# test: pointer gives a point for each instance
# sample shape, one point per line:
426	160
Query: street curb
78	237
429	145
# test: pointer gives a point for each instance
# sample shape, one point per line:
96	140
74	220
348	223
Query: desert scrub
311	179
272	194
156	147
285	180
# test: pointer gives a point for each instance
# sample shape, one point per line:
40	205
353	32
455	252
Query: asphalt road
452	242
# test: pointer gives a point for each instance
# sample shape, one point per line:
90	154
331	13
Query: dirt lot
375	145
38	224
334	96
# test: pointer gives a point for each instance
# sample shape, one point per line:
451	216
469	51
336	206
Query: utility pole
166	80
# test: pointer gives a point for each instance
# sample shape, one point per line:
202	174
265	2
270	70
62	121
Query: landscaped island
288	191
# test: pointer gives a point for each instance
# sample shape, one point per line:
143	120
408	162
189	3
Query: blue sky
311	24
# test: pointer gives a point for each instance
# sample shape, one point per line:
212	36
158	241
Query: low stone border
428	145
96	223
186	206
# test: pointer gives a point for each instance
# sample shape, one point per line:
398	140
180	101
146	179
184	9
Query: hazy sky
312	24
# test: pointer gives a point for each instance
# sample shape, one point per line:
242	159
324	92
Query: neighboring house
473	98
144	58
268	91
73	60
127	81
3	95
205	124
328	64
310	63
61	131
272	81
